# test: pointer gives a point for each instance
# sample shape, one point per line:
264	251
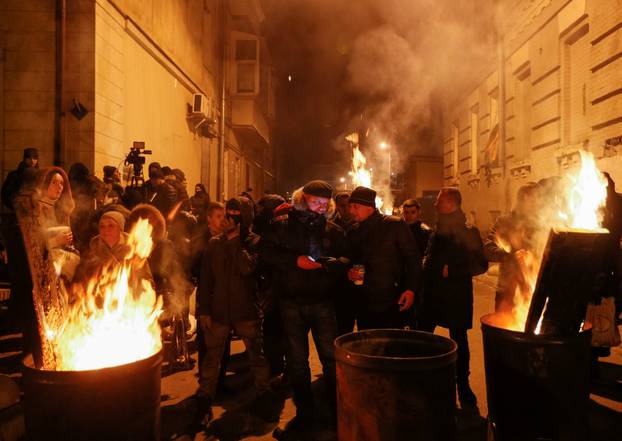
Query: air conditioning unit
204	107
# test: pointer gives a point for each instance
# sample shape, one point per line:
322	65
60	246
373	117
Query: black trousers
459	335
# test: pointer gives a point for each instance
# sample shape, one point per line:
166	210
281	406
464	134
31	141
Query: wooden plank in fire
571	275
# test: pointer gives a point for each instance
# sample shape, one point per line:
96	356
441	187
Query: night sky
382	68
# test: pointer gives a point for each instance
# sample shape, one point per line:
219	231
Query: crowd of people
274	270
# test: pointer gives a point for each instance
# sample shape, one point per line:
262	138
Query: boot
204	410
465	395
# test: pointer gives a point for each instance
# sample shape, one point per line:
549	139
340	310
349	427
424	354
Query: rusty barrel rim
492	329
447	349
151	361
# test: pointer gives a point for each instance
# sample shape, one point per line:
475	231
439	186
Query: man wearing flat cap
305	252
386	264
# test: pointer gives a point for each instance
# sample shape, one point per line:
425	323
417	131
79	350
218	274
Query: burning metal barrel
395	385
112	404
537	385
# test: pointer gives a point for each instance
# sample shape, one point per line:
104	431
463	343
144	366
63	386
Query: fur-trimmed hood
299	203
153	215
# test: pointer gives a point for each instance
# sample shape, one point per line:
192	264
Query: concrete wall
27	57
563	92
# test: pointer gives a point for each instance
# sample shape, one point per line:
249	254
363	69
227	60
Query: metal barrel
120	403
537	385
394	384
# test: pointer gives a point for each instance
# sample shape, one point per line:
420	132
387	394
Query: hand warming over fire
445	271
406	300
305	263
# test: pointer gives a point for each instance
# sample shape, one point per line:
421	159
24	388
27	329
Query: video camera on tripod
137	159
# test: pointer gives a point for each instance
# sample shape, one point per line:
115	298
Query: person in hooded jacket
305	252
455	254
226	300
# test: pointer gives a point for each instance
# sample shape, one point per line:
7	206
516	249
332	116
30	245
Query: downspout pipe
220	190
61	30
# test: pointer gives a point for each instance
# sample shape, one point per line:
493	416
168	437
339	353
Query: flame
361	175
585	196
581	208
114	321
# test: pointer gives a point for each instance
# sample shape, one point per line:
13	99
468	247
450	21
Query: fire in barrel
99	376
537	352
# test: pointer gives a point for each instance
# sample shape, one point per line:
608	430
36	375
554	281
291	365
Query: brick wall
568	56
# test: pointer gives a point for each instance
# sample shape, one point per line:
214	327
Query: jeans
216	338
463	353
298	320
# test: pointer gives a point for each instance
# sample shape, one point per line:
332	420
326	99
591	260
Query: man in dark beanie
455	254
16	178
305	252
386	264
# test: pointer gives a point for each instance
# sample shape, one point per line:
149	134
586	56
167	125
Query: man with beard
453	257
304	251
387	264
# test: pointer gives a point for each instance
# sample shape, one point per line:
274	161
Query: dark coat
392	260
13	183
421	233
227	287
448	302
304	233
162	196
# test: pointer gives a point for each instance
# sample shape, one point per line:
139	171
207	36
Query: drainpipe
220	190
61	26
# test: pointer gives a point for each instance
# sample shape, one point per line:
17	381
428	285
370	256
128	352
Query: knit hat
321	189
363	196
233	204
117	217
31	152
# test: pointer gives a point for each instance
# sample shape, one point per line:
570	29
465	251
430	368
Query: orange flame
583	200
114	321
361	175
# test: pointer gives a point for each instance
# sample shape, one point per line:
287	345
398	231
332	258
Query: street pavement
235	421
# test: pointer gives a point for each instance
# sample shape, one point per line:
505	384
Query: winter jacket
301	232
162	196
421	233
227	288
385	246
448	302
13	183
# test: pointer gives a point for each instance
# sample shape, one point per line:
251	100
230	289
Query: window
246	60
523	115
474	137
576	75
455	146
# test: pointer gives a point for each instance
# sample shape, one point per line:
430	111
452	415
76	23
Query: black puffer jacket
303	233
386	247
448	302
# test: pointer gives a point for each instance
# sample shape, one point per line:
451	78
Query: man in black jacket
387	264
453	257
226	299
304	251
15	179
411	212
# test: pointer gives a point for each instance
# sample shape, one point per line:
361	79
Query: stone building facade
135	67
554	88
